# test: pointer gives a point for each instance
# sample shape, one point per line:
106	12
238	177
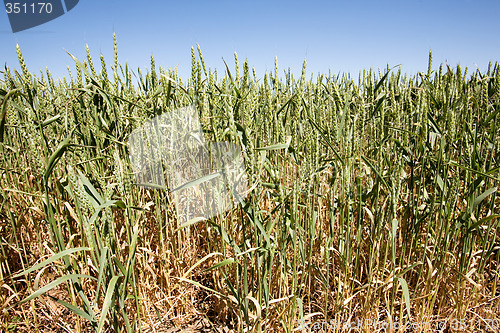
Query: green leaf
74	309
492	115
99	209
198	181
376	171
131	257
102	267
50	120
54	284
381	81
107	301
79	64
220	264
3	110
119	204
194	283
91	188
480	198
277	146
322	133
482	221
406	295
190	222
52	259
54	158
394	228
379	104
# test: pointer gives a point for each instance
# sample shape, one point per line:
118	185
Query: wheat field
373	199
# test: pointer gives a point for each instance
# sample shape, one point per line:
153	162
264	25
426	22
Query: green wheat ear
50	80
276	73
69	73
194	68
237	66
303	74
26	74
429	68
79	78
115	49
202	60
104	72
90	62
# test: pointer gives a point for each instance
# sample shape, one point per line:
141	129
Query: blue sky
343	36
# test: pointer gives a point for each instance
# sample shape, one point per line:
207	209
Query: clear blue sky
344	36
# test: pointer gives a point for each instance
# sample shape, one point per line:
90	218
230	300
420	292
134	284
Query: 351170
32	8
